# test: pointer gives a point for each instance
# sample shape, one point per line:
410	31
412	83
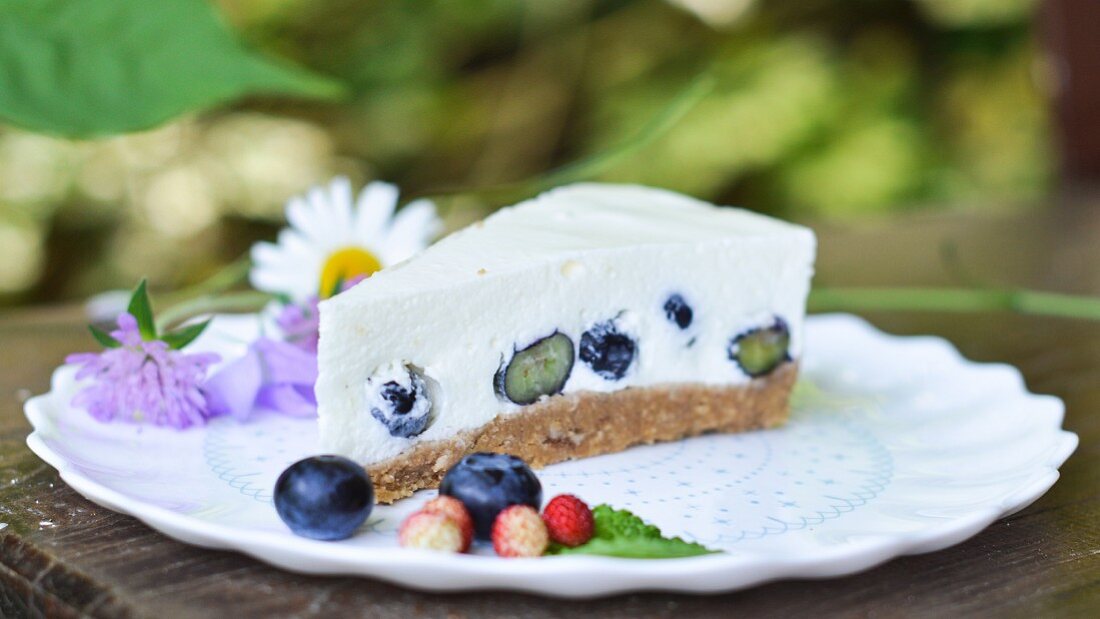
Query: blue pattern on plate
718	489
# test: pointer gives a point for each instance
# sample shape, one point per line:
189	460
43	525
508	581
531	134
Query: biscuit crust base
586	423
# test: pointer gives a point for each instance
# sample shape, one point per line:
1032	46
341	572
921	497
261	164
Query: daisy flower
335	237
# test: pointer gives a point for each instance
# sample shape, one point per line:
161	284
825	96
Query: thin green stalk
227	277
594	165
659	125
1030	302
247	301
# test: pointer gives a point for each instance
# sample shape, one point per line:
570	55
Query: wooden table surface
61	555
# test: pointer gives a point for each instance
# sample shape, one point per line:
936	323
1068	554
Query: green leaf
337	286
103	337
182	337
142	310
619	533
85	68
660	548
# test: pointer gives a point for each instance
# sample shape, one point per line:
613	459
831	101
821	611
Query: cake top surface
564	223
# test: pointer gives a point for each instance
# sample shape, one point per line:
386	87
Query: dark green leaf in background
85	68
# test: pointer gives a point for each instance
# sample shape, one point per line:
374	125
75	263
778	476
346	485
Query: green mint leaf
619	533
87	68
660	548
142	310
182	337
103	337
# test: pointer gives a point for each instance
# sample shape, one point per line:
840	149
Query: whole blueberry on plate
324	497
486	483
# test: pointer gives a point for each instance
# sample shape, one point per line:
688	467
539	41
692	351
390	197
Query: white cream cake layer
564	261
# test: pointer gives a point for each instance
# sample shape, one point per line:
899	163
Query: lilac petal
350	283
286	363
233	389
127	322
273	376
300	324
82	357
288	400
127	332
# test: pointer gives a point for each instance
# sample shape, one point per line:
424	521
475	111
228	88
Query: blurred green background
837	109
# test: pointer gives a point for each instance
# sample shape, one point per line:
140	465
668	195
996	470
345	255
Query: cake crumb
442	462
572	268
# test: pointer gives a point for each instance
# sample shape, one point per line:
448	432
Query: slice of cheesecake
584	321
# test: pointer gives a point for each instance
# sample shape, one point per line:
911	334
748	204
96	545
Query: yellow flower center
344	264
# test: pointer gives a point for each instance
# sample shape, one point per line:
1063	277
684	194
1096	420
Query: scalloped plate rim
577	577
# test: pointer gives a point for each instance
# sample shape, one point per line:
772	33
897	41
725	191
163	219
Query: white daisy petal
342	201
302	217
297	245
374	210
412	230
340	193
325	220
278	281
332	205
270	271
267	254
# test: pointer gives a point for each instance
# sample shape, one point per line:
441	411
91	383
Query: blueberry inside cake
582	322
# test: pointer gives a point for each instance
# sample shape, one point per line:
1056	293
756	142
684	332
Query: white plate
896	446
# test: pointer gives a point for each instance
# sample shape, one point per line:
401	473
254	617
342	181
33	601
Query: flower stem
889	299
228	276
247	301
589	167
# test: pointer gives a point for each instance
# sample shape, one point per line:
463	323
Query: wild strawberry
519	532
568	520
455	510
431	531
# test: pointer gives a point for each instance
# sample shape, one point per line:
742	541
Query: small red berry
519	532
455	510
430	532
568	520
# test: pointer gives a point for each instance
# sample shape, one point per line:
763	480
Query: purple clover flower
143	380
